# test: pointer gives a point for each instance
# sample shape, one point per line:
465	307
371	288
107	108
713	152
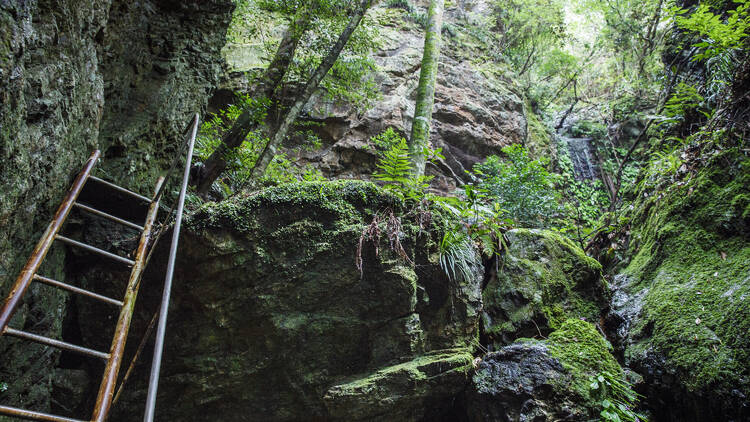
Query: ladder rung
95	250
109	216
35	416
78	290
55	343
121	189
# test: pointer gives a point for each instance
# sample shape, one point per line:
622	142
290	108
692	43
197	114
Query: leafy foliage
520	186
318	24
586	199
718	34
528	28
684	100
396	168
386	140
457	255
240	162
618	400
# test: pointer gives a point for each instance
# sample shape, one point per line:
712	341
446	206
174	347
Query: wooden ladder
29	274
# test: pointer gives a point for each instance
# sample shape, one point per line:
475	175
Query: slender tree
420	128
272	77
269	151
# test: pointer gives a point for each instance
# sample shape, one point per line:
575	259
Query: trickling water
583	159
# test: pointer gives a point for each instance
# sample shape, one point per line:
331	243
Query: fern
395	165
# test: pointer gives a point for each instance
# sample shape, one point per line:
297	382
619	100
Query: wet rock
271	316
75	76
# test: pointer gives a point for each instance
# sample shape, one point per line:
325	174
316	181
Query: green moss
588	129
419	368
340	199
582	351
692	258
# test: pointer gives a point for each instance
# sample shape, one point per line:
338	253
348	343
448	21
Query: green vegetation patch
345	201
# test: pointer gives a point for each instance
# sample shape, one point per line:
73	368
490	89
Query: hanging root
393	228
373	233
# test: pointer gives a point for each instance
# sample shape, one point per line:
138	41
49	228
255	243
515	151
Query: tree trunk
420	129
312	85
233	139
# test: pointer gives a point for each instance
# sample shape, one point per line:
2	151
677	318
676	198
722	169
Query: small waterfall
583	159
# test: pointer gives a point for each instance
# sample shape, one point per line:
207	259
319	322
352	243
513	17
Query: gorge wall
120	76
477	111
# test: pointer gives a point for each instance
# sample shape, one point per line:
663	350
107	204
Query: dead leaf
723	256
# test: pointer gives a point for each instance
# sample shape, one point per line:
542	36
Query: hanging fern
457	255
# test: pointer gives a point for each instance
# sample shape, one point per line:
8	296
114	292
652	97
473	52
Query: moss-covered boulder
542	280
420	389
272	318
685	295
543	381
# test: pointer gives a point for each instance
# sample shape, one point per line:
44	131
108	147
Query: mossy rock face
542	280
270	312
543	380
684	296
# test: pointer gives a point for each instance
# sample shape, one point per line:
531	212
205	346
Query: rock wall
52	100
116	75
272	318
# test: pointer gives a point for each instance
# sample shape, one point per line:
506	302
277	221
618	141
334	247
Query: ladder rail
40	252
55	343
104	399
121	189
108	216
153	386
95	250
109	379
34	416
65	286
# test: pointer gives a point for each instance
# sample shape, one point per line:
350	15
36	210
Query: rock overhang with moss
270	310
